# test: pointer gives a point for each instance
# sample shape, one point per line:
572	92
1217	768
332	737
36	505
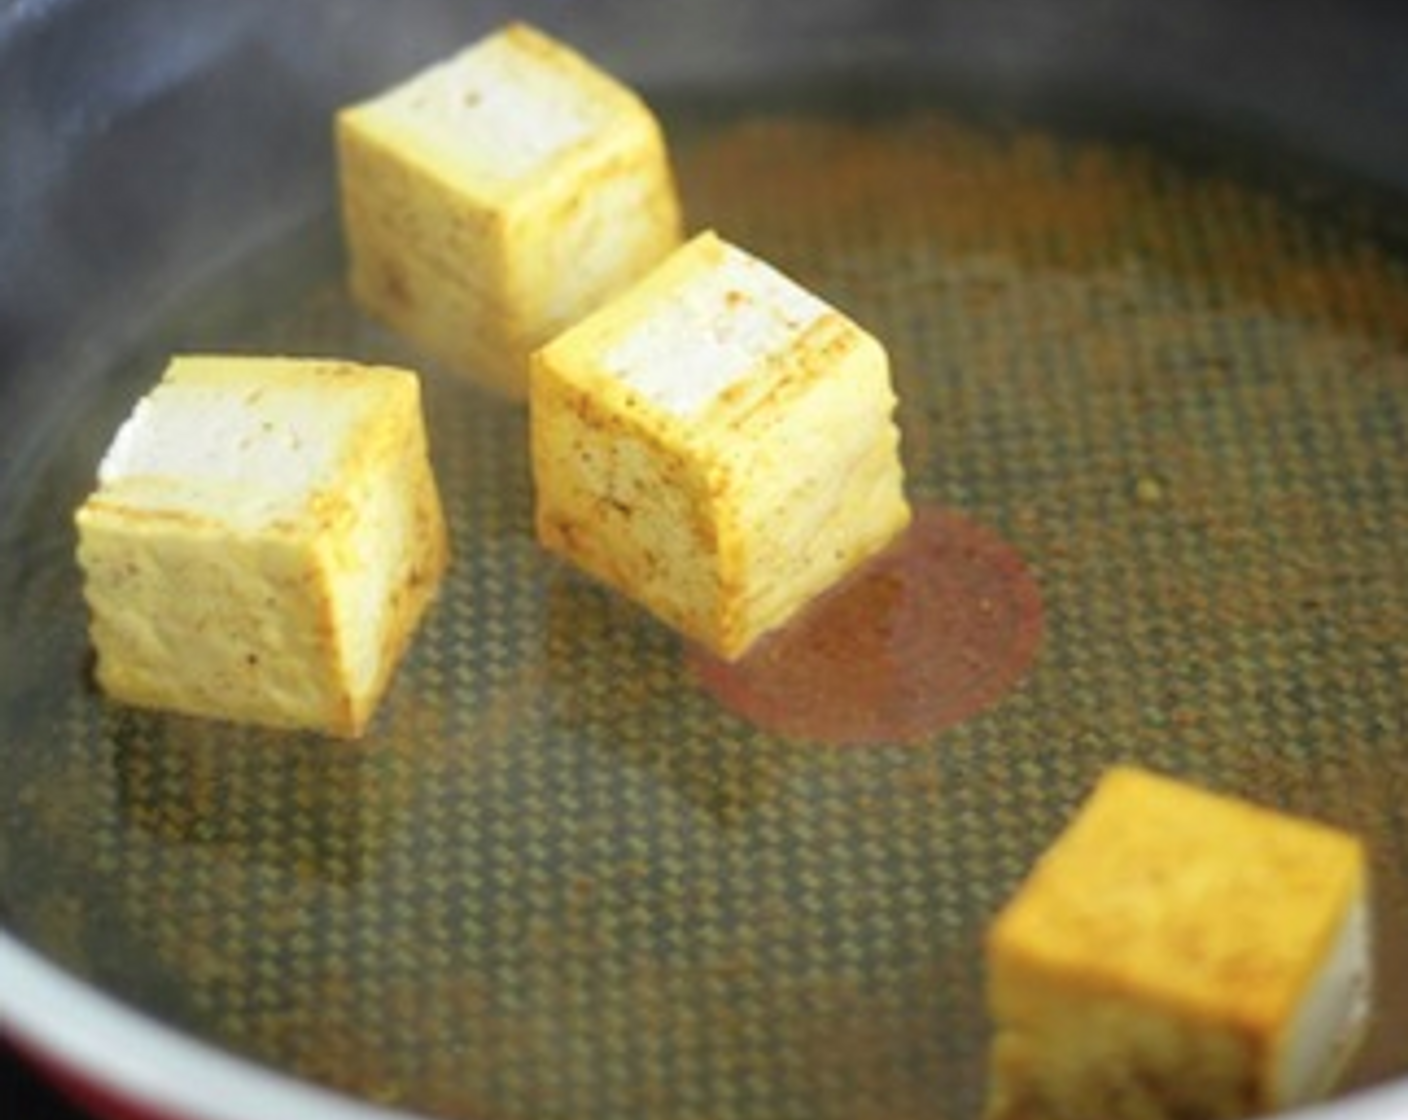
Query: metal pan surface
1147	302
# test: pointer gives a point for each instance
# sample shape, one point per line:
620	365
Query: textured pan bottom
560	879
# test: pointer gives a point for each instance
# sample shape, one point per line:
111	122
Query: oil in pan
578	871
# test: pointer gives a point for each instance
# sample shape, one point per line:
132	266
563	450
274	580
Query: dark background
24	1095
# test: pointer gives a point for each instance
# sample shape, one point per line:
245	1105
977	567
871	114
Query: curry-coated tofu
264	538
1178	954
496	197
718	443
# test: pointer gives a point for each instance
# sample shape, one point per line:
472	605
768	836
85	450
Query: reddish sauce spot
936	629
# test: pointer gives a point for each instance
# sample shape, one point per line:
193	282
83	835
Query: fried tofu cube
718	444
264	538
495	198
1179	954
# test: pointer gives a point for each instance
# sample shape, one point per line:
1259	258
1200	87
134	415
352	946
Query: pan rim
56	1015
80	1031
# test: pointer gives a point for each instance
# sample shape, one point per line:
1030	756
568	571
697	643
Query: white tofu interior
497	111
254	455
1332	1018
712	333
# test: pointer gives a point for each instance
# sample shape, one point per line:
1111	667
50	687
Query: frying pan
1140	269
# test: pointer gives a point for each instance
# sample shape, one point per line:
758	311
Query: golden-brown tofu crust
1155	960
297	620
476	269
726	521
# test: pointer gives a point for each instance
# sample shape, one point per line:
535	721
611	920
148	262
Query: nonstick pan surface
1153	383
